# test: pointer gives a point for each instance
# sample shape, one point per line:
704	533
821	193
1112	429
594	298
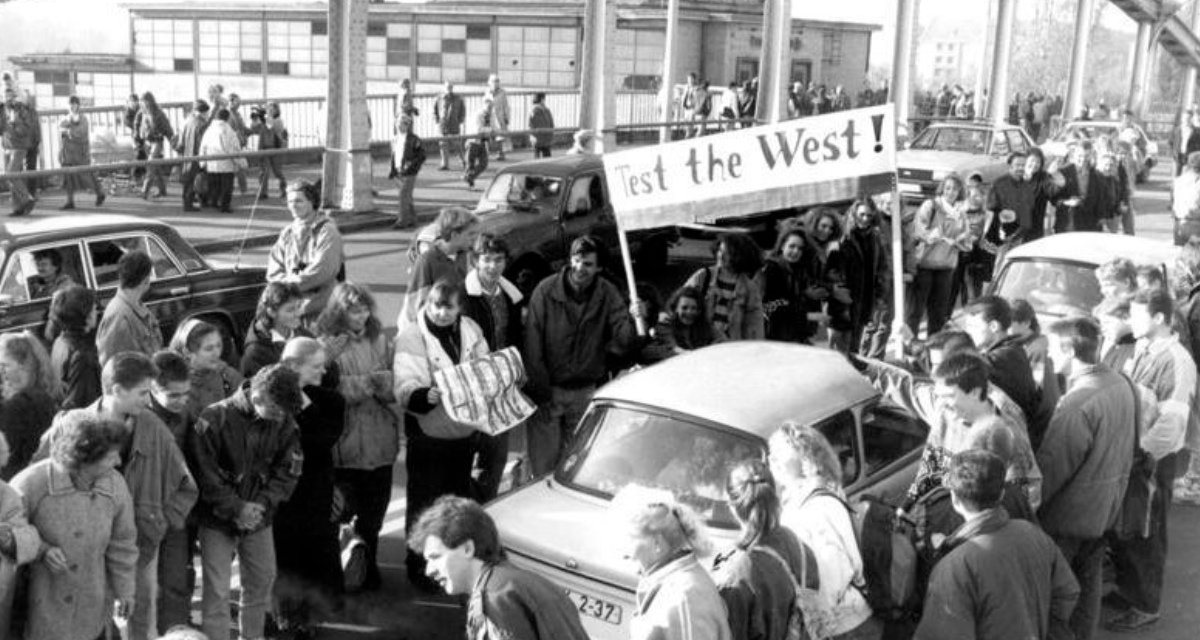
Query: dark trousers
368	492
31	164
220	186
309	585
436	467
269	167
189	186
1141	562
1086	558
930	297
541	152
491	455
176	576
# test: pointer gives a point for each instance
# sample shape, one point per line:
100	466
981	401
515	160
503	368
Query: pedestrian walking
463	554
155	128
365	454
408	156
73	357
220	140
279	135
541	124
238	124
242	483
187	144
128	324
84	515
449	112
75	150
19	130
477	146
676	597
501	113
404	100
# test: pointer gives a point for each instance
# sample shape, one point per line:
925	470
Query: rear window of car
517	189
952	139
617	446
1051	287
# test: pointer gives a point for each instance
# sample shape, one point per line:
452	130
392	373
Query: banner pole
897	268
627	261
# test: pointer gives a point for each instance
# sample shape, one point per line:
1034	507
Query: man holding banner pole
574	318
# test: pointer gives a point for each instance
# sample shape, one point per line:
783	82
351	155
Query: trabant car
679	425
183	284
956	147
1057	274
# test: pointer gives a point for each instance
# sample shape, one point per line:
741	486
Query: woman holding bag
440	450
941	232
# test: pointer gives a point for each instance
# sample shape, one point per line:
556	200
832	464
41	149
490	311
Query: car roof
560	166
970	124
1096	248
752	386
42	229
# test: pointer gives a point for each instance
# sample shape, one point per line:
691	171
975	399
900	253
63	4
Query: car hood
931	160
544	521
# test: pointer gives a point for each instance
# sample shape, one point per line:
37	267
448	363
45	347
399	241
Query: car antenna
246	232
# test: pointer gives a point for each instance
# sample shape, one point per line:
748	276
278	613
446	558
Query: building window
160	44
454	52
399	50
293	48
638	58
831	48
537	56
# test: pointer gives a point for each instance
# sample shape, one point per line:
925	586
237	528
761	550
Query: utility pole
667	91
597	103
1073	104
998	92
775	63
346	168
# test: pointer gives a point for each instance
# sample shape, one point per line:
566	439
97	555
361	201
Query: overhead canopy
1177	36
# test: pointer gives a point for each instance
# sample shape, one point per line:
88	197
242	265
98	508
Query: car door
24	300
170	291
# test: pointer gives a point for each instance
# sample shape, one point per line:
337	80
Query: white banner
837	156
486	393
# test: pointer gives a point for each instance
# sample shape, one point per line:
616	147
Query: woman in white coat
220	139
440	450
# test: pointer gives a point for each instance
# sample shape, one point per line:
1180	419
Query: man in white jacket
220	139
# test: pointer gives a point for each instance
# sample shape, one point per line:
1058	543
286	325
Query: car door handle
178	291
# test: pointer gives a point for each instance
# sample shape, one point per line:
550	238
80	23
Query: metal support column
1001	54
347	162
775	64
1188	93
981	75
900	88
597	100
1079	51
1138	78
668	74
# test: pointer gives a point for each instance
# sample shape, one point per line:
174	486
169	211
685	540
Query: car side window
35	274
1000	145
888	434
1016	142
105	255
839	430
579	202
13	290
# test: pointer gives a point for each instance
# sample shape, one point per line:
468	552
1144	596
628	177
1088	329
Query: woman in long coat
76	151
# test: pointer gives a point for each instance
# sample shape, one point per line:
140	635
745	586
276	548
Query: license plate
596	608
908	187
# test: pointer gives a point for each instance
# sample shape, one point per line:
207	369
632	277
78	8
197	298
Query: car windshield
1052	287
966	140
523	190
1084	132
617	446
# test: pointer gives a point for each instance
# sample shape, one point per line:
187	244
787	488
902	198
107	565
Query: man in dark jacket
1025	191
867	270
188	144
20	132
999	578
463	554
1085	459
408	156
246	453
987	321
575	317
449	112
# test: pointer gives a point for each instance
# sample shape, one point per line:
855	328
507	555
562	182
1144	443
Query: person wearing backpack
996	572
20	132
814	508
308	252
769	576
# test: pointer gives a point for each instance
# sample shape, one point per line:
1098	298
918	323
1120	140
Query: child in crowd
211	378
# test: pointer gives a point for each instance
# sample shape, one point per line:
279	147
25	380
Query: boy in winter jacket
246	453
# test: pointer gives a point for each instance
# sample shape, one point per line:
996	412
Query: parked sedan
959	147
679	425
183	284
1057	274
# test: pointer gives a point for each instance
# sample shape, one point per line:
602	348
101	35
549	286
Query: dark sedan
183	284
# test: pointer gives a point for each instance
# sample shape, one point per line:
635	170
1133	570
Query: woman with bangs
350	329
276	320
212	379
